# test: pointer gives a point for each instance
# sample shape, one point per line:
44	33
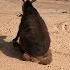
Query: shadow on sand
8	49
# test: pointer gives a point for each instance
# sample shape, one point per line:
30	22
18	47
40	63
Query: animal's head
28	5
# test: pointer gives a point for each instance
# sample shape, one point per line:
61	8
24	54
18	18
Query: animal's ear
24	0
29	0
33	1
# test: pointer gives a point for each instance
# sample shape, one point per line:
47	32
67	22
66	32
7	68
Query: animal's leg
46	59
15	39
15	43
26	57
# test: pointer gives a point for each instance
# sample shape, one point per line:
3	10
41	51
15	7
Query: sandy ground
56	15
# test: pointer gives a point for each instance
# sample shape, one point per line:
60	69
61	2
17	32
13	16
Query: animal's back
35	34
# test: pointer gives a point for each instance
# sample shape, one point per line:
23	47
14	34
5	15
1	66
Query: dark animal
33	35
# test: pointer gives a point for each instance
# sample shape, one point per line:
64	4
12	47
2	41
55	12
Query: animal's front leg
15	43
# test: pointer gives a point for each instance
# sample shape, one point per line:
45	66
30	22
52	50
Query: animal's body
33	34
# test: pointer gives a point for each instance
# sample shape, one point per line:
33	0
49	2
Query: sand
56	15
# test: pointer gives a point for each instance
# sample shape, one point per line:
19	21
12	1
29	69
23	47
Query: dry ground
56	15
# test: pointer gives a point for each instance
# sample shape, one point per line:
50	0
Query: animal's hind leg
46	59
26	57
